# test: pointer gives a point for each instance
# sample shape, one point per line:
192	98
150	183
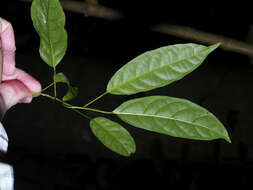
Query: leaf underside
113	136
49	21
172	116
158	68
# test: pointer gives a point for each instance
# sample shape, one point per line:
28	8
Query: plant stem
75	107
47	87
82	114
97	98
66	104
90	109
47	95
54	84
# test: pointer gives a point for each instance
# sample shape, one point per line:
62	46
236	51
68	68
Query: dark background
52	148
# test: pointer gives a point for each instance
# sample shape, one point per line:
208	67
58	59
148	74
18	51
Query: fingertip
7	36
36	86
7	46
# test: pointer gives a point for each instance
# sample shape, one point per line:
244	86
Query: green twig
74	108
90	109
65	105
47	87
82	114
97	98
55	95
47	95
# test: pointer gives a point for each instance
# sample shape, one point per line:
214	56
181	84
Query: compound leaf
113	136
49	21
172	116
158	68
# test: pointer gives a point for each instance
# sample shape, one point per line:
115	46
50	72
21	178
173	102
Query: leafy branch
153	69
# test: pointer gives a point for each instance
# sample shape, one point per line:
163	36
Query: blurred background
53	148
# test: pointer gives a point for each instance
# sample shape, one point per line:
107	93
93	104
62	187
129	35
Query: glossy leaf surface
113	136
172	116
158	68
49	20
72	91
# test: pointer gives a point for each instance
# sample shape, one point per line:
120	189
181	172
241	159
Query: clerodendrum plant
153	69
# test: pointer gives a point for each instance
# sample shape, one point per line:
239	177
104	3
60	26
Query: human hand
17	86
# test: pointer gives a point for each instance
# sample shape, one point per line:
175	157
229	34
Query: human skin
17	86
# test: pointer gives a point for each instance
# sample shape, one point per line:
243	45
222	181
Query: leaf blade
61	77
49	20
113	136
172	116
71	94
72	91
158	68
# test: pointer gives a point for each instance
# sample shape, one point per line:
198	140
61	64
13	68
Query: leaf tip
228	139
127	155
214	46
218	44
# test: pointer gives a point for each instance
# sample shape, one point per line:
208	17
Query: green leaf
72	91
172	116
113	136
61	77
158	68
71	94
49	20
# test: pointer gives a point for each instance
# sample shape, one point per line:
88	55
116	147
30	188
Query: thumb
13	92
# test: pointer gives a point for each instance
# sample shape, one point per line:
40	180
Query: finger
31	83
13	92
8	46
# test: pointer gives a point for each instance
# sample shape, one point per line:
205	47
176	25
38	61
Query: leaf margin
126	152
121	116
72	91
128	67
36	14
